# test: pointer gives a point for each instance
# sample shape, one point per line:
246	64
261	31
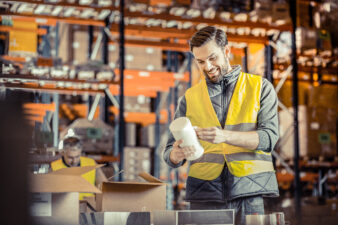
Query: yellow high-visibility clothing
90	176
241	116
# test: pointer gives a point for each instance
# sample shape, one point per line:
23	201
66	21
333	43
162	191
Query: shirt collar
229	77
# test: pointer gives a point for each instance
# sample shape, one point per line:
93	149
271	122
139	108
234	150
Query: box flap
149	178
132	197
132	183
64	181
77	171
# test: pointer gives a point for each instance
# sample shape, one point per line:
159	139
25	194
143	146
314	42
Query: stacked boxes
147	135
286	132
280	13
130	134
136	160
317	121
138	58
305	38
137	104
322	121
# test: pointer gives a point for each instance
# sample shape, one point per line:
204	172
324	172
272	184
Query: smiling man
236	118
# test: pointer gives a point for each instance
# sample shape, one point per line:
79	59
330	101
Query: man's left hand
214	135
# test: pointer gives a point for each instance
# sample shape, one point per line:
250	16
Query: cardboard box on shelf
147	134
322	132
139	58
286	132
304	17
22	42
130	134
80	47
136	160
137	104
306	38
280	13
285	93
262	11
55	197
325	95
133	196
324	40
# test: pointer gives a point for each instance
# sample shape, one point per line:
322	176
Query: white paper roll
181	128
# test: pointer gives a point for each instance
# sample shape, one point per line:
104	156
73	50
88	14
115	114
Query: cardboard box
23	42
137	104
285	94
325	95
147	135
306	38
88	205
322	132
115	218
130	134
286	132
136	160
55	196
194	217
139	58
133	196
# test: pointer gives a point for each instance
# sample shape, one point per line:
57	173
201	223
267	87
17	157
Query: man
236	118
71	157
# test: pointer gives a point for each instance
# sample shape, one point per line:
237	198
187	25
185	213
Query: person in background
237	124
71	157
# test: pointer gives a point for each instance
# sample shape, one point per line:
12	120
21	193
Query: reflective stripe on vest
90	176
242	116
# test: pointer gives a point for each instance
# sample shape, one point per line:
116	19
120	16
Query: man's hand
213	135
177	154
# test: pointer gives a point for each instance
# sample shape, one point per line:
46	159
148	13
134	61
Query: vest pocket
205	190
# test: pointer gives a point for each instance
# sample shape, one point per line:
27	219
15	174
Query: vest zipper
222	104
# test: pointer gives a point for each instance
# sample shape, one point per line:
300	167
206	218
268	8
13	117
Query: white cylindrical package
181	128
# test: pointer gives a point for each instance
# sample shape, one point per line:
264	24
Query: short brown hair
72	142
207	34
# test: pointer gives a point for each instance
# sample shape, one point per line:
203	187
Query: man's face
72	156
212	60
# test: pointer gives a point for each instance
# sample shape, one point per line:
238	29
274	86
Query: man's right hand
177	154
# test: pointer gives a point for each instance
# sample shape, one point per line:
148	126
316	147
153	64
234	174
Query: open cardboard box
132	196
55	196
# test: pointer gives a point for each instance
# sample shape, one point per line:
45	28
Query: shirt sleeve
267	125
180	112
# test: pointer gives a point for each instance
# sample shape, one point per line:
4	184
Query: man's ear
227	51
63	152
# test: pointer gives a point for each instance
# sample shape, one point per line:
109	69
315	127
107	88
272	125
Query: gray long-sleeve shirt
220	95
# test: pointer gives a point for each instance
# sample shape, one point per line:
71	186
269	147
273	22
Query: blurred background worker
71	157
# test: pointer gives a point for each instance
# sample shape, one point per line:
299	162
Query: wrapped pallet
96	136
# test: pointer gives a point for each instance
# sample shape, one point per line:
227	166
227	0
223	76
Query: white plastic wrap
181	128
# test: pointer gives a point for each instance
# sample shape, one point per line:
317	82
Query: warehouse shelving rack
171	39
18	8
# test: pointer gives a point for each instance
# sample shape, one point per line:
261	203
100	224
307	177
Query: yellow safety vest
242	116
90	176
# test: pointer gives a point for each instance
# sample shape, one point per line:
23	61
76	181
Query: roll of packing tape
181	128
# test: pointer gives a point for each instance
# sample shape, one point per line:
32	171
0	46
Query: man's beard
216	79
